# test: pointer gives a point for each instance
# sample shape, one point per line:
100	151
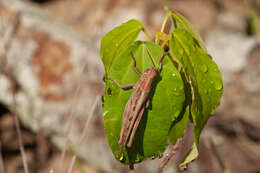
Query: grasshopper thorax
147	78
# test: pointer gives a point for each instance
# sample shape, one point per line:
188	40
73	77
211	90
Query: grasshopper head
150	73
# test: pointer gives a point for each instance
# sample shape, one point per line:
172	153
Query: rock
232	21
229	50
202	14
58	73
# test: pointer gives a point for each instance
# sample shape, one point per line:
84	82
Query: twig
10	75
169	156
2	169
72	163
218	157
70	122
19	133
83	134
131	170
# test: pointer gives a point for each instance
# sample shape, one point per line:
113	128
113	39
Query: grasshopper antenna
150	57
159	60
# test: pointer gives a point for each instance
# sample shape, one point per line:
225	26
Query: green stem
147	35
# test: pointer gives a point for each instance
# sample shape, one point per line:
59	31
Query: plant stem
168	157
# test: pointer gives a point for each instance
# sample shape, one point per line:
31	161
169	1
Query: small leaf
115	41
189	157
167	98
203	75
185	24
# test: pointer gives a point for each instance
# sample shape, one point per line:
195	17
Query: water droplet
180	51
218	85
105	113
174	108
173	74
176	94
204	68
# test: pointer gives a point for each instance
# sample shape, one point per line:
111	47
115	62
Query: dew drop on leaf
176	91
204	68
218	85
181	51
105	113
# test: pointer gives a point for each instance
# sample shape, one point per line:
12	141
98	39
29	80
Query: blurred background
51	82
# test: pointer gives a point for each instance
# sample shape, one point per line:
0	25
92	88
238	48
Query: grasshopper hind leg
138	119
136	124
124	129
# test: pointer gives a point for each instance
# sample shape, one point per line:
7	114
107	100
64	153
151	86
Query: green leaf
185	24
203	75
115	41
167	98
179	126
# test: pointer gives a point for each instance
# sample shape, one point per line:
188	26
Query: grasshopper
138	102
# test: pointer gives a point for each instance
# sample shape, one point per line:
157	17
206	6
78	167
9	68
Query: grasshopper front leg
134	64
125	86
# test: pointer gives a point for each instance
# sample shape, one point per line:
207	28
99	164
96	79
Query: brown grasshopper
137	103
